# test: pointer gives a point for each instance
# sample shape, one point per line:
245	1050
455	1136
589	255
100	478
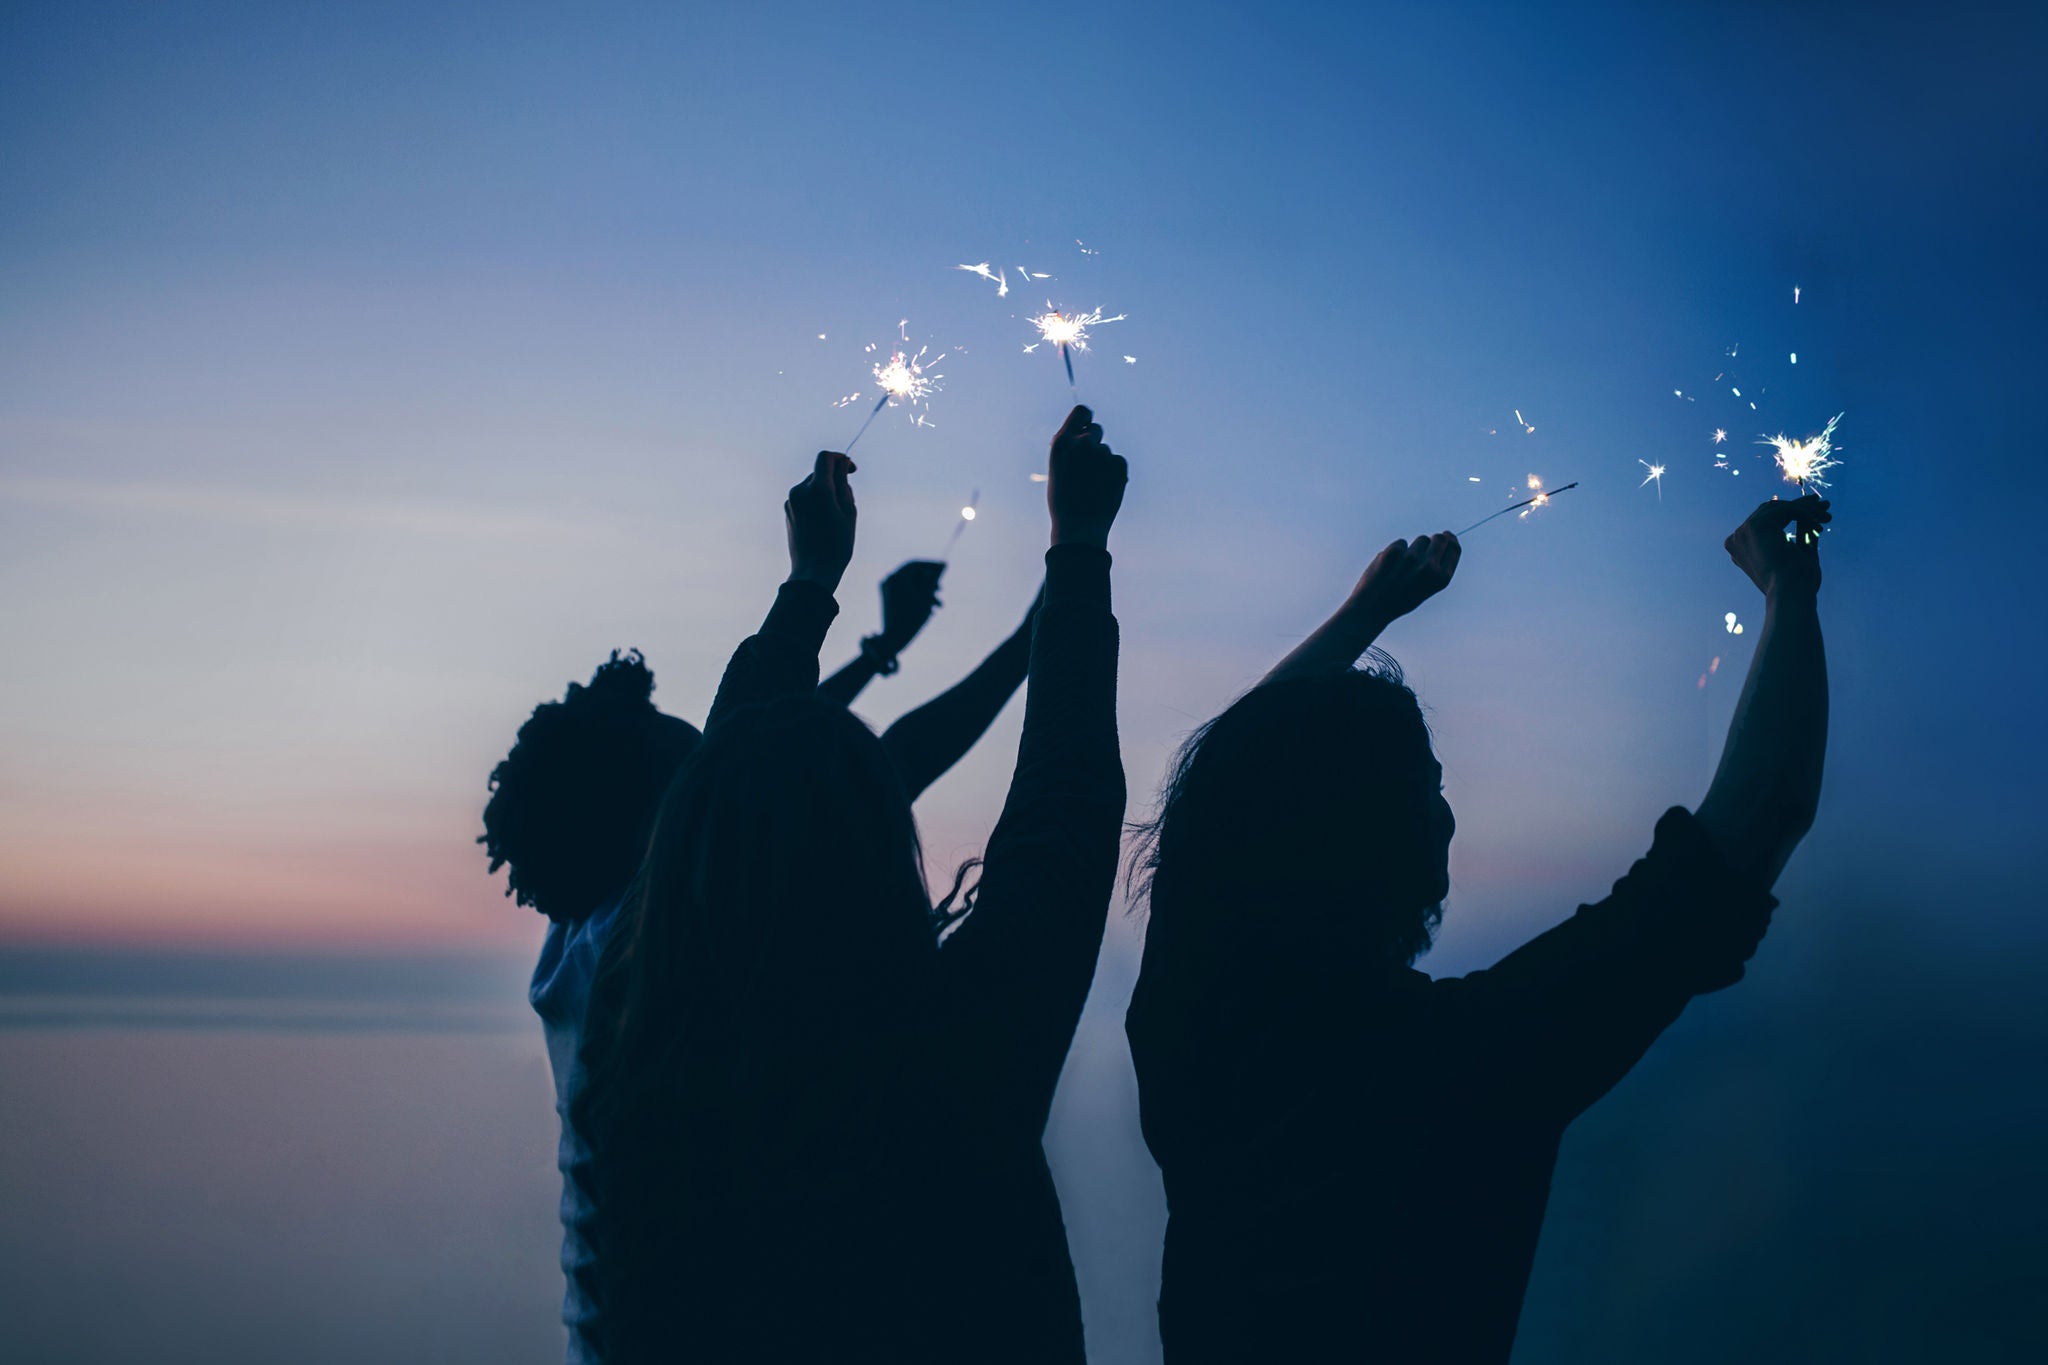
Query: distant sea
249	1158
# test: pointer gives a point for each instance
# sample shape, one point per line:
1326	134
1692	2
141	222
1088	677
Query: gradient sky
367	372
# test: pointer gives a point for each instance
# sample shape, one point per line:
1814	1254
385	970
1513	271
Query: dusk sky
365	375
368	372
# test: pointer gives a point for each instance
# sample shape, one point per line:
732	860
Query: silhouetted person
814	1127
573	801
1356	1156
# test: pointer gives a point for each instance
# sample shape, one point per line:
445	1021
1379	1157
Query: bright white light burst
1806	462
1069	329
1656	476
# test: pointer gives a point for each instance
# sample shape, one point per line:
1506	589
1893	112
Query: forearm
849	681
781	659
1767	788
1335	645
928	741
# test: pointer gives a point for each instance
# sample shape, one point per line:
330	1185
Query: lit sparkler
1656	476
1542	499
966	515
1808	461
903	379
1068	331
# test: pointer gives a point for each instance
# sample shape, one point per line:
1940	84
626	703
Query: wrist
821	576
1097	538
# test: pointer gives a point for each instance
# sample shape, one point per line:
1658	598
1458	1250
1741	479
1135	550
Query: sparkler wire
1540	497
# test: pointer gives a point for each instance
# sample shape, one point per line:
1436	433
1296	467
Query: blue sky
366	374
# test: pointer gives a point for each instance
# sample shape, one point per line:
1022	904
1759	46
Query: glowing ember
1808	461
1733	626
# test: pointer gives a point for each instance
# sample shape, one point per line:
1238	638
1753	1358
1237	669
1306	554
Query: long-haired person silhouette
572	803
815	1102
1356	1156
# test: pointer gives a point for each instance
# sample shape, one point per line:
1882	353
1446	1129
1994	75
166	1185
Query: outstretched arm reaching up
909	597
931	739
1400	578
781	659
1766	791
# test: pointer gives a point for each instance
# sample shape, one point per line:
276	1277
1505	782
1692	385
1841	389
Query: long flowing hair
753	1036
1291	829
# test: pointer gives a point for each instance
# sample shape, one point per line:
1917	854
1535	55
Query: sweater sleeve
781	659
1555	1024
926	742
1018	969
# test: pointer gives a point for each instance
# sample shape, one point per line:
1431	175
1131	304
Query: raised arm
931	739
781	659
1400	578
909	596
1017	971
1767	788
1557	1022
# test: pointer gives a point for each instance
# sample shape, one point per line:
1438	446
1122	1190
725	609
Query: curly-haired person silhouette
572	803
815	1102
1356	1156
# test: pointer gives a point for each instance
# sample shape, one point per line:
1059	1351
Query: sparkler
1068	331
1542	499
1656	475
966	515
902	379
1806	462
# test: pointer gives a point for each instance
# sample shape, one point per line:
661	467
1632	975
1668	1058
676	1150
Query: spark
821	336
966	515
1730	624
1737	392
903	379
1474	478
1086	250
1069	331
1795	293
1024	274
1712	669
1526	428
1808	461
1795	357
994	276
1130	360
1032	347
1720	435
1527	504
1656	475
1040	478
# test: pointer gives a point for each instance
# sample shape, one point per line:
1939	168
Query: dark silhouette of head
1307	822
571	803
756	1018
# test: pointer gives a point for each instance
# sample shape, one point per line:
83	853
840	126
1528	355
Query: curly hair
571	803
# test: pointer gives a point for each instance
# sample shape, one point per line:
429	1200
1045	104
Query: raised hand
1084	482
1774	560
1404	576
819	515
909	596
